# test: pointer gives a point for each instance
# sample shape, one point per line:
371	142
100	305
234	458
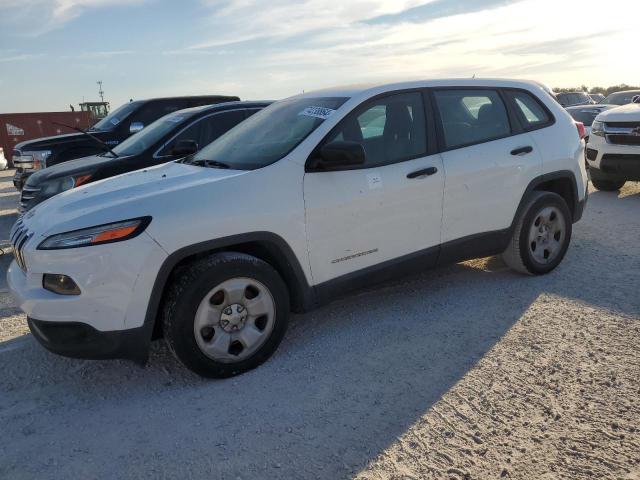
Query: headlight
59	185
597	128
35	160
111	232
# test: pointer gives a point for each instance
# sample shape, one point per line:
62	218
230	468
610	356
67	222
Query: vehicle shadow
347	381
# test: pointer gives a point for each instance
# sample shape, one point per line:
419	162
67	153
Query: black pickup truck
126	120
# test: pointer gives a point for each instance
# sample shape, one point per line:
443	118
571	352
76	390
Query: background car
587	114
621	98
110	131
567	99
173	136
613	151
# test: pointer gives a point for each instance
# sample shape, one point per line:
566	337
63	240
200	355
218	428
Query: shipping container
18	127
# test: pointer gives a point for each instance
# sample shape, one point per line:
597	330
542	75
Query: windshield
147	137
270	134
620	98
114	118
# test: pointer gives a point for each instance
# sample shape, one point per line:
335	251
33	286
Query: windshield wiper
104	145
208	163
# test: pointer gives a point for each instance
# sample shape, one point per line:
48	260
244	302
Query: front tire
607	185
541	236
225	314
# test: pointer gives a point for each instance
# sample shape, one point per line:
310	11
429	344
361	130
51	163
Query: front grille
621	157
19	237
623	124
28	194
624	139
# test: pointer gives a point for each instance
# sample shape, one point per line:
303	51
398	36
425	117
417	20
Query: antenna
100	92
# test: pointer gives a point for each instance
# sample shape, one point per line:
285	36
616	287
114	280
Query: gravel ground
464	372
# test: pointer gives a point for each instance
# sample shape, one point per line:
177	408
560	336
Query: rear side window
206	130
532	113
471	116
391	129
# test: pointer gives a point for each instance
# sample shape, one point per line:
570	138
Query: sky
52	52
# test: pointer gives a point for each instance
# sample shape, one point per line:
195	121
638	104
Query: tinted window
270	134
116	117
390	129
471	116
206	130
532	113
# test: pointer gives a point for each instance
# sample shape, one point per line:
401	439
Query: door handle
422	173
522	150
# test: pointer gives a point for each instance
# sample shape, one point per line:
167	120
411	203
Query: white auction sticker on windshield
318	112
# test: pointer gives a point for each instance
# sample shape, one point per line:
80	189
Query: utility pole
100	92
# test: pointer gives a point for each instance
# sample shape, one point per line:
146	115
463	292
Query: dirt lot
465	372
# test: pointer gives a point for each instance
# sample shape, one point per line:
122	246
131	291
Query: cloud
42	16
19	58
438	9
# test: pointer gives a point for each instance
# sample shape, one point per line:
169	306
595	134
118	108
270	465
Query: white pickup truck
613	151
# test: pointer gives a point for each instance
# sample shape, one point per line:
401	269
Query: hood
625	113
73	167
130	195
55	141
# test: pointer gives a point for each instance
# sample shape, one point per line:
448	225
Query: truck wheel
225	314
541	236
607	185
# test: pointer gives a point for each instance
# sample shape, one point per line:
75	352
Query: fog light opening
60	284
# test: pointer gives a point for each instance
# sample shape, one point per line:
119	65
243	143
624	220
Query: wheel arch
562	182
266	246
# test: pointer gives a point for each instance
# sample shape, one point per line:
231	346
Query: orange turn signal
114	234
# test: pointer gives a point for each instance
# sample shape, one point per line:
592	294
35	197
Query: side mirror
135	127
341	154
635	99
184	148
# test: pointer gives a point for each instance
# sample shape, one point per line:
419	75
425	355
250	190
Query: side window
532	113
390	129
205	130
471	116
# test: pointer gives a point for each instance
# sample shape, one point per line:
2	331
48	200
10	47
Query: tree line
602	90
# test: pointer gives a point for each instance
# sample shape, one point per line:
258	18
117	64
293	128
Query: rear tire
225	314
607	185
541	236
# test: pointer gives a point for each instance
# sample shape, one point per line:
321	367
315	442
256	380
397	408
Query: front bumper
115	281
613	161
79	340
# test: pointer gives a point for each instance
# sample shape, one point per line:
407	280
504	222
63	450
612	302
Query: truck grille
19	237
28	194
624	139
623	133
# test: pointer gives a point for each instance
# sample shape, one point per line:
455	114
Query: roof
224	106
356	90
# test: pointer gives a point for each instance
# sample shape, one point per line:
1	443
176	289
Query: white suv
613	152
313	196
